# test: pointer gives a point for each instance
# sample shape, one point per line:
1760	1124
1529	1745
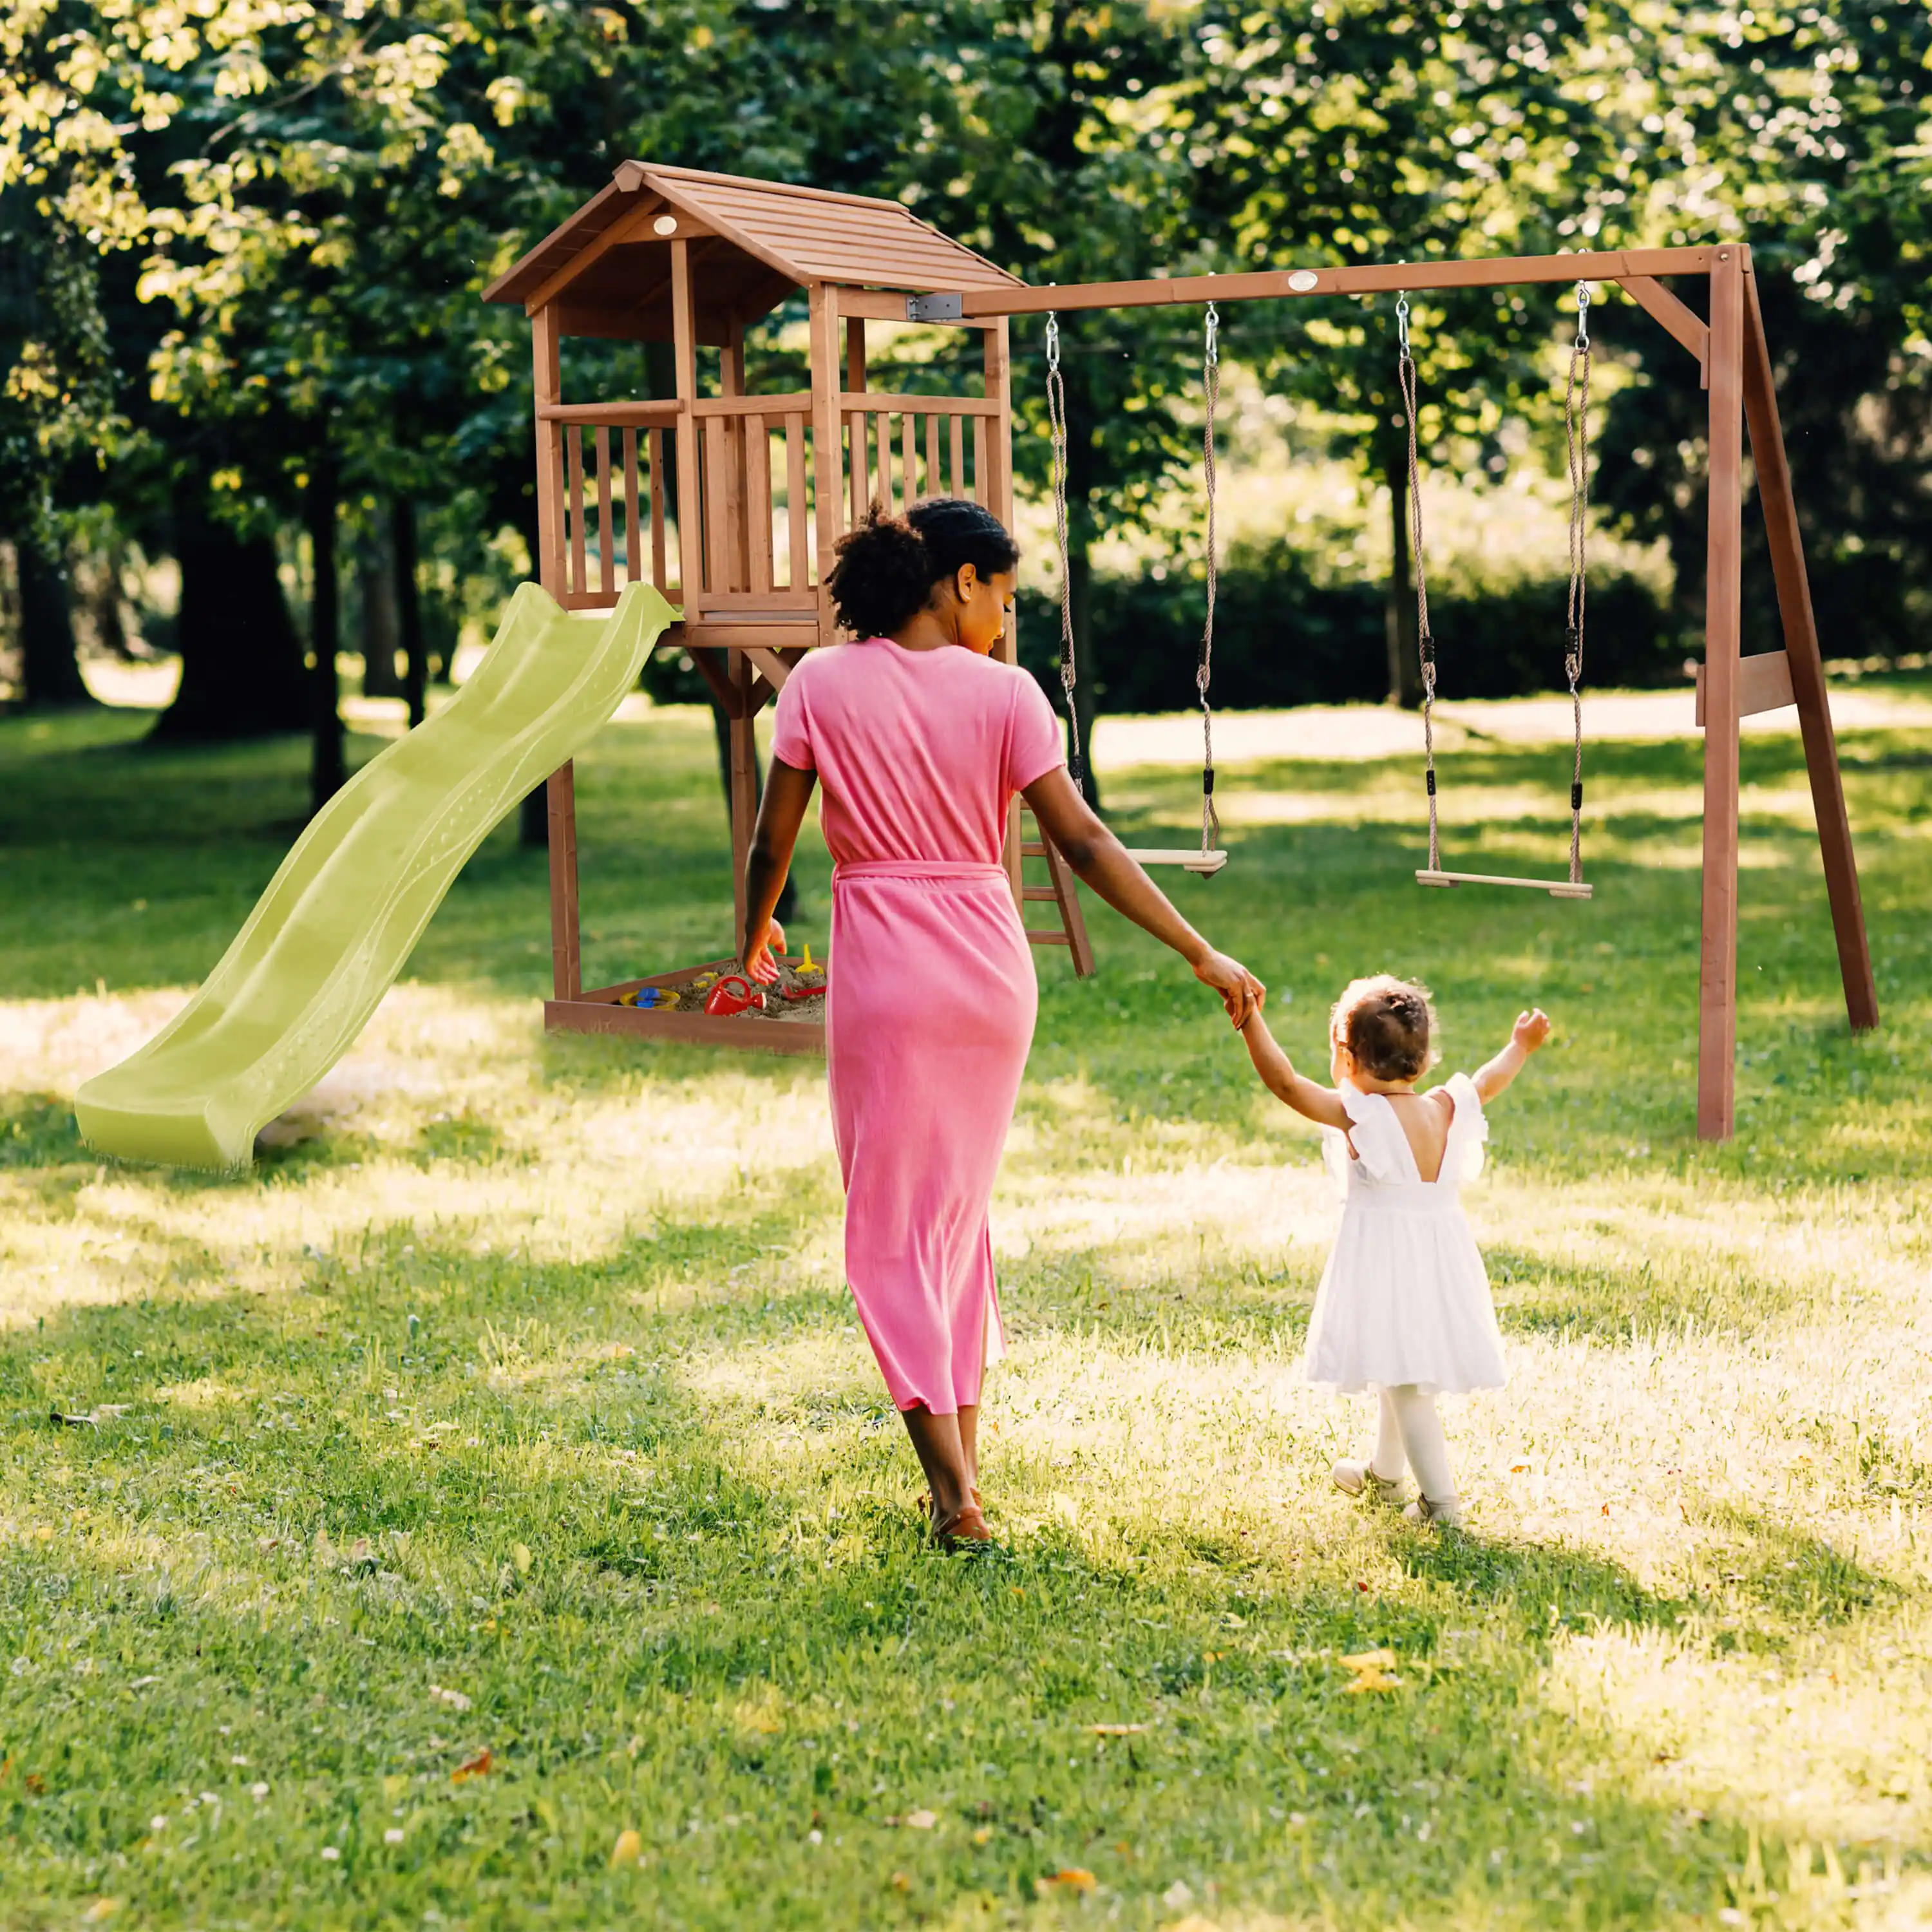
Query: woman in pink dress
921	739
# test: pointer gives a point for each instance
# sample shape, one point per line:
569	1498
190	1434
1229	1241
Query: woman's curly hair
1388	1026
887	568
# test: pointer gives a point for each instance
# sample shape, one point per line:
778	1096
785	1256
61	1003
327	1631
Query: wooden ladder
1061	890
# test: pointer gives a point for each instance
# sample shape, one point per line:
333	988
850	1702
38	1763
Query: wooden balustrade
897	451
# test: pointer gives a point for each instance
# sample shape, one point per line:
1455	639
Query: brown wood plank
741	603
1378	279
744	790
684	356
716	672
723	633
882	305
547	379
633	224
999	389
908	459
978	492
798	564
1679	321
1717	951
607	549
573	441
935	477
616	414
1806	668
1064	891
634	535
734	403
658	575
957	428
717	573
745	1035
758	510
768	660
823	312
855	359
1764	684
942	406
566	958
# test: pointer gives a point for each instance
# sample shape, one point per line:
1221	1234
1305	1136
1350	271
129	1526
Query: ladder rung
1028	849
1042	935
1557	889
1038	892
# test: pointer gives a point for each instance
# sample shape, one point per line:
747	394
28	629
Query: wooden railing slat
799	568
573	438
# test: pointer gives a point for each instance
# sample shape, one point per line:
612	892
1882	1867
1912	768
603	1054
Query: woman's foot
1353	1479
1447	1511
964	1527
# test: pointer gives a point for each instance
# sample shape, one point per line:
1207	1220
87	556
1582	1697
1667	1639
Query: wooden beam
684	358
887	305
744	792
715	674
1617	265
824	308
769	662
1717	951
1679	321
1764	684
548	384
632	226
614	415
1805	667
903	403
566	950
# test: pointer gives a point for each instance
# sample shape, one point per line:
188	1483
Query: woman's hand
757	963
1241	993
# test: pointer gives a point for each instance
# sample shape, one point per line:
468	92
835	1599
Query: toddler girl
1404	1305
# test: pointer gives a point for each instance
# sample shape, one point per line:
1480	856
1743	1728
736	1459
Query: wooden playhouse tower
729	503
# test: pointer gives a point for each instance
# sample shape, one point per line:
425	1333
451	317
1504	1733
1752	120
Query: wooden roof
754	243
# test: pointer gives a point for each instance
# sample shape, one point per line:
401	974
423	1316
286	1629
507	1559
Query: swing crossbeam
1557	889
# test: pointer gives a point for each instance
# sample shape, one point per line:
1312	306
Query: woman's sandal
965	1527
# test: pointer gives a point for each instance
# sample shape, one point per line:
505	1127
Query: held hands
757	961
1241	993
1530	1030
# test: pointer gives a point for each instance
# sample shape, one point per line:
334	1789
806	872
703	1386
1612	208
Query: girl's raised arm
1530	1030
1322	1105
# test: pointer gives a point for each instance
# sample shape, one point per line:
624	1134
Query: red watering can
734	994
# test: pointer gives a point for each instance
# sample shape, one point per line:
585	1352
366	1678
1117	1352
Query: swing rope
1211	368
1576	432
1425	644
1056	423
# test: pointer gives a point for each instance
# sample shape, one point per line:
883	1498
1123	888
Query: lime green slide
341	916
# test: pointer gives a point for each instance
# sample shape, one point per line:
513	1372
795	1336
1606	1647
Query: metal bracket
936	308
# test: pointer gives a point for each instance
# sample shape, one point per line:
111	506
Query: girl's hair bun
1388	1026
887	568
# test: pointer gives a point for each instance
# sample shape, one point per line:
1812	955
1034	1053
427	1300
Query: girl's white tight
1409	1431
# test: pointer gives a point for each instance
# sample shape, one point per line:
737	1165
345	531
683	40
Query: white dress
1405	1297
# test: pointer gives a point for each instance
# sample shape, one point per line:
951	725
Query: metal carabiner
1402	320
1052	340
1213	348
1582	315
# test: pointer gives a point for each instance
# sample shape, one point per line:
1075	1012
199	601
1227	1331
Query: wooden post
560	794
732	375
690	497
1717	959
1807	665
823	300
744	787
996	492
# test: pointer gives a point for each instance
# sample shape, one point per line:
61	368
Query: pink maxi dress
932	996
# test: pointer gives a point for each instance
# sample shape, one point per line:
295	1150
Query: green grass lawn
493	1517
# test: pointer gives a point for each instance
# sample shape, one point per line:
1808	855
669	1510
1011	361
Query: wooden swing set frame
667	252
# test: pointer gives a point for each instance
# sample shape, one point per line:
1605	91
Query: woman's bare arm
1101	861
781	812
1322	1105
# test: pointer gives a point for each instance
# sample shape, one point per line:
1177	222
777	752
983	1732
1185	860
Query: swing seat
1204	865
1557	889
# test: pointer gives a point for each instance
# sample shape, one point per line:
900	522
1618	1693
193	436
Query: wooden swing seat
1557	889
1205	865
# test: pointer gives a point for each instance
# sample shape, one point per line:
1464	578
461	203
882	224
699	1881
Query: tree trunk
1404	669
326	767
241	659
380	624
49	670
409	608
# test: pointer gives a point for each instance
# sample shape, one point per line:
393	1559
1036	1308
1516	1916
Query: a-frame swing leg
1807	669
1718	949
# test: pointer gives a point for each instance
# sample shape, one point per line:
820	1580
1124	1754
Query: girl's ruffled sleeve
1381	1150
1468	1130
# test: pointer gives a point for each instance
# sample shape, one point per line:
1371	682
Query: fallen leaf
629	1848
1074	1878
481	1766
1369	1660
519	1554
1116	1730
101	1908
1372	1680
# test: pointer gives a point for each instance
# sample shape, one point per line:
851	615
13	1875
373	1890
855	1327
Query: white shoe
1448	1512
1353	1479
